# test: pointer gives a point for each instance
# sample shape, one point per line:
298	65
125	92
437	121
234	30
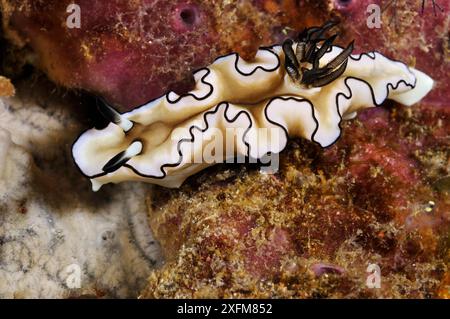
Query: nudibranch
303	88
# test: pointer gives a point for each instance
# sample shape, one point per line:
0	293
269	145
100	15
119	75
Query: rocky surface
57	238
134	51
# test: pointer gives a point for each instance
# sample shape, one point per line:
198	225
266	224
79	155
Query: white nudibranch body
169	133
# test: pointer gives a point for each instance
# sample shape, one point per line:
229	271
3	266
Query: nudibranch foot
241	109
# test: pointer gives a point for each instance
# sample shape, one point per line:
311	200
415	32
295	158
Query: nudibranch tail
241	109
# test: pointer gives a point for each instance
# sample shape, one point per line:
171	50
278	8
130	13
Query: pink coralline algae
130	52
